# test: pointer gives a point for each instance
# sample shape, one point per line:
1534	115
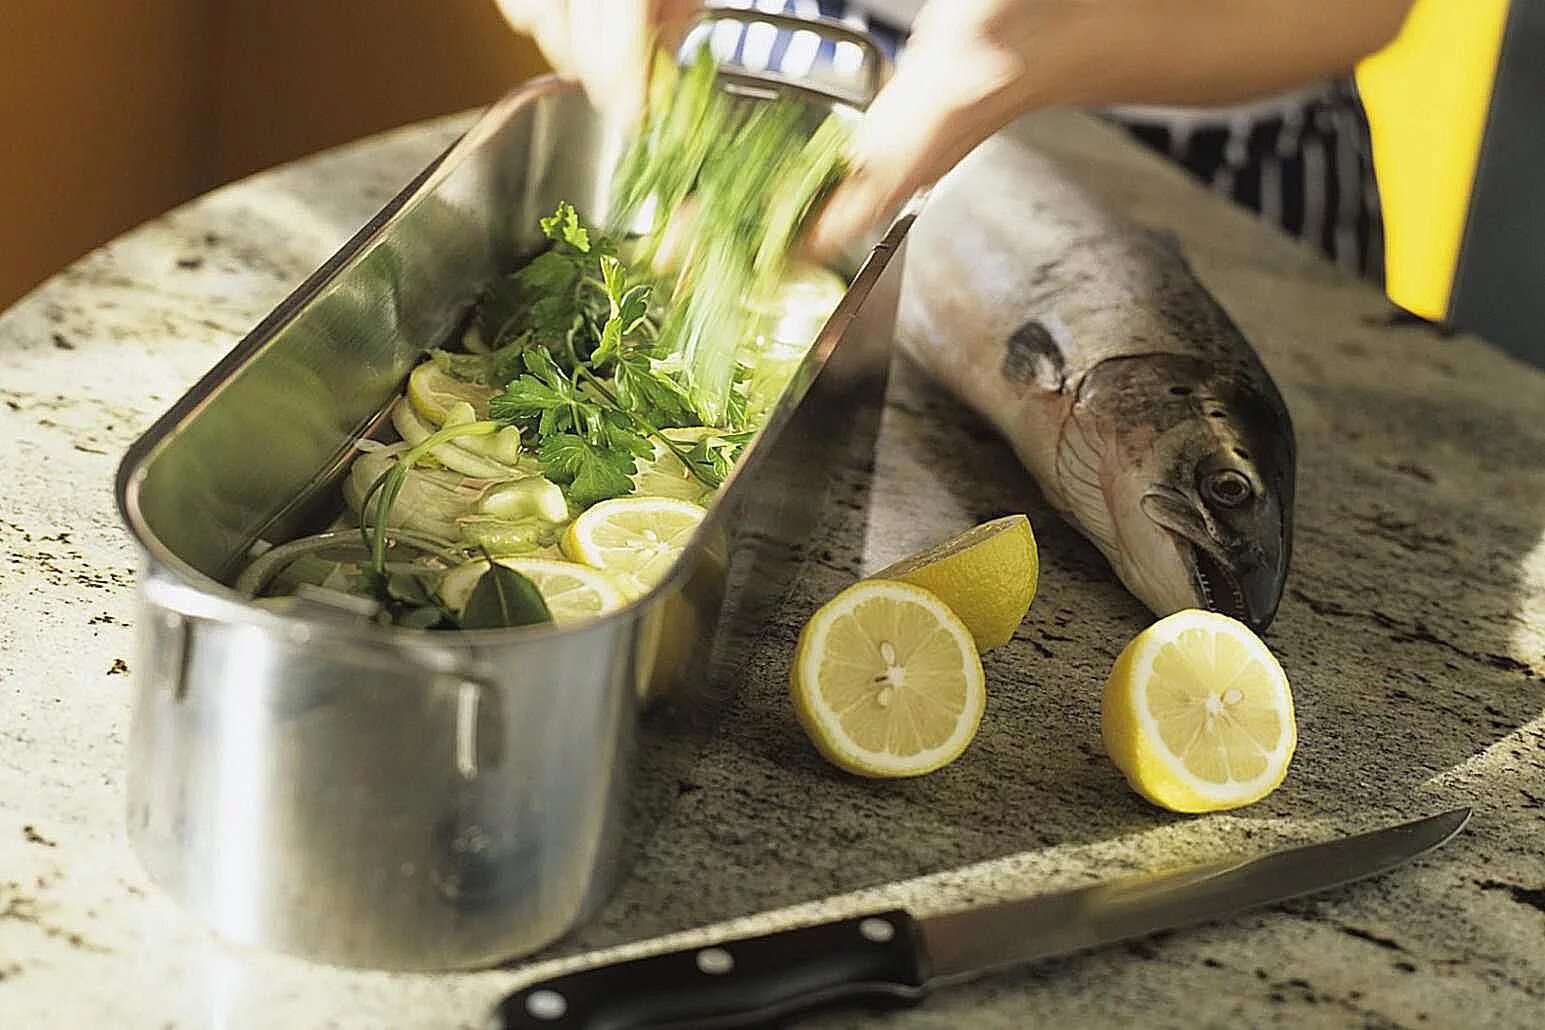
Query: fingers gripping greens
589	375
755	171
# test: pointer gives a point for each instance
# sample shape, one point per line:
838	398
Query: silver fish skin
1123	386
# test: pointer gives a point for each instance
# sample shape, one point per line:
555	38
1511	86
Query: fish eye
1228	488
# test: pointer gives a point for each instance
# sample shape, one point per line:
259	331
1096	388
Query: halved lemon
432	391
887	681
573	592
634	540
987	575
1197	713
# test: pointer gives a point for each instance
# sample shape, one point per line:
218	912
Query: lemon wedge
1198	715
432	392
573	592
987	575
634	540
887	681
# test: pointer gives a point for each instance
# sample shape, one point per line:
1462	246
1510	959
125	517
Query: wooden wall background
112	111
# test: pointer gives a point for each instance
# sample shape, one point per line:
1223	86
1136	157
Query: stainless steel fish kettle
317	783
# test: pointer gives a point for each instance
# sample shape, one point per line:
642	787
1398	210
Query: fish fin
1033	354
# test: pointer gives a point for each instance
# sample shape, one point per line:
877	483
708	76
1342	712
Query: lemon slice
573	592
665	476
432	392
887	681
802	303
635	540
987	575
1198	715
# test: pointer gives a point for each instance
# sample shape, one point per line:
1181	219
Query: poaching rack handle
877	63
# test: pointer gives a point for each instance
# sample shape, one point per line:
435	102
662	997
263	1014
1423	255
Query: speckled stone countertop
1413	630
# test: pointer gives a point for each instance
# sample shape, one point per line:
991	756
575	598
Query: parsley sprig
591	433
577	362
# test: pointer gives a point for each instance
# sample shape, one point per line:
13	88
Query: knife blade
894	958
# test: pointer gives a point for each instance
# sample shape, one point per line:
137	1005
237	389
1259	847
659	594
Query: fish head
1201	488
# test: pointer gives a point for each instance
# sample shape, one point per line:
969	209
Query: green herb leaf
713	457
612	277
412	606
553	317
564	227
502	598
530	402
735	405
633	307
611	340
645	391
539	297
541	364
620	434
506	363
592	473
545	398
551	271
526	397
626	309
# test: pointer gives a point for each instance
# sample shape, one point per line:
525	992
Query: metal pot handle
831	30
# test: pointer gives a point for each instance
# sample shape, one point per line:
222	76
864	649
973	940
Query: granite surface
1413	631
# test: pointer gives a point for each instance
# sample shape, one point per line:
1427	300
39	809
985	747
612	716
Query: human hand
962	78
973	66
605	44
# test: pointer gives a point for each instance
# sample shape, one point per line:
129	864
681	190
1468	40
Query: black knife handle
752	981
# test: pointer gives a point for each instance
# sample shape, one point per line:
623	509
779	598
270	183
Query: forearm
1198	52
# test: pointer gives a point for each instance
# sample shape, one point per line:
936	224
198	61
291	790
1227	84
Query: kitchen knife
895	958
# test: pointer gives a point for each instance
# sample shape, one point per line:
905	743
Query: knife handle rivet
546	1005
877	931
715	961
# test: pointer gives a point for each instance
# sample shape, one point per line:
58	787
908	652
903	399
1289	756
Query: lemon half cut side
887	681
1198	715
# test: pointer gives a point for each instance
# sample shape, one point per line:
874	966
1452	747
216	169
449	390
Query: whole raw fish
1122	385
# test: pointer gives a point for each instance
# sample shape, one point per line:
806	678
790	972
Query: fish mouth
1250	595
1248	591
1216	585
